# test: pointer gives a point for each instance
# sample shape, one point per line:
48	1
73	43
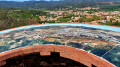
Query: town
86	16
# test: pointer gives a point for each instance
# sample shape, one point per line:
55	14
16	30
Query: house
42	18
104	21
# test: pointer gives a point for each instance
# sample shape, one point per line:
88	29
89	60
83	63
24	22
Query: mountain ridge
51	4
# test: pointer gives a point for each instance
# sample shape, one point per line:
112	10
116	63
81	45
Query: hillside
51	4
15	4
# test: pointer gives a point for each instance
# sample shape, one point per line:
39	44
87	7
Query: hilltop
54	4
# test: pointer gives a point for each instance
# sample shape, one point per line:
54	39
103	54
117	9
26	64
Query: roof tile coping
98	61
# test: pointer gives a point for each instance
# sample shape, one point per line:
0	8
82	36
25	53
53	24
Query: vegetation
64	19
111	23
15	18
11	16
93	18
52	5
110	7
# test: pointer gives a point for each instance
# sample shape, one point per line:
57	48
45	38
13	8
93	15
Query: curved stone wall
78	55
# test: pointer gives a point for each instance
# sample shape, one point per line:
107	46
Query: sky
27	0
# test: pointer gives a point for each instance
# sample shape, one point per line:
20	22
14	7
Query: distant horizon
28	0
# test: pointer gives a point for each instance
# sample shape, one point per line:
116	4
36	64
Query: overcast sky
27	0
